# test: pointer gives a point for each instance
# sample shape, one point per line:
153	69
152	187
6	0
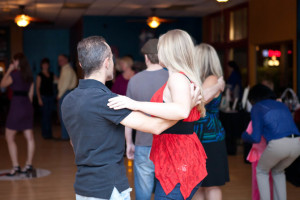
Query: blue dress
212	134
209	128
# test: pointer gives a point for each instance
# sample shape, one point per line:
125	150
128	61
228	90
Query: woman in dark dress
209	128
45	94
20	116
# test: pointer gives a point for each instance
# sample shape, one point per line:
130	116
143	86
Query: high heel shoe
30	171
14	171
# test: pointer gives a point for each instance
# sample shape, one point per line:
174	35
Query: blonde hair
207	61
128	60
176	51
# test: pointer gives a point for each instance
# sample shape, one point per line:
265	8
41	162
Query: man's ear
80	64
106	63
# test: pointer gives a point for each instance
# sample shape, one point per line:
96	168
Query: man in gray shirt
141	87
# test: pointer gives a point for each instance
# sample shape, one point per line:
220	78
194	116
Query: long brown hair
24	67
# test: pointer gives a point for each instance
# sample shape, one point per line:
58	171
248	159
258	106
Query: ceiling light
22	20
153	22
222	1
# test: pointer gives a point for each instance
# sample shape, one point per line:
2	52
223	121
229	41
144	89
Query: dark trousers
175	194
47	108
64	133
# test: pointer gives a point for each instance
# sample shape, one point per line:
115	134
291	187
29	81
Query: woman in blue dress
209	128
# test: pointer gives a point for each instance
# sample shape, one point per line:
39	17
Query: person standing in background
66	82
20	117
121	82
142	87
235	80
209	128
45	95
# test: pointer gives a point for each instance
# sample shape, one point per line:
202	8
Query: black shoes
29	170
14	171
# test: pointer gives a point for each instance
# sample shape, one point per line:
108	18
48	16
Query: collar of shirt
91	83
66	65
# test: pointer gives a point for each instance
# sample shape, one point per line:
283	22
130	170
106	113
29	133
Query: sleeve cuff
123	117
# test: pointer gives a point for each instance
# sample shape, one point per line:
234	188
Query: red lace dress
178	158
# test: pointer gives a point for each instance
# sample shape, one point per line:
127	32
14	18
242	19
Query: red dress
178	158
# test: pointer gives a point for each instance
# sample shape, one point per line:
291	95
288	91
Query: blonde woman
178	156
121	82
209	129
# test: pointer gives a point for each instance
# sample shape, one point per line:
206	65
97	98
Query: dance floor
58	158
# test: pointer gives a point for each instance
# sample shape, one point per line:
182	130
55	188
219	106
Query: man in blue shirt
96	131
272	120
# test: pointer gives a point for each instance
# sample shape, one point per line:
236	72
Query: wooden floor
57	156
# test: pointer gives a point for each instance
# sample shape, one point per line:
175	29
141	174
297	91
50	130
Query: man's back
97	138
141	87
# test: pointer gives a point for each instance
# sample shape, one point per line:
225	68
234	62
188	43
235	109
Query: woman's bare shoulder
178	77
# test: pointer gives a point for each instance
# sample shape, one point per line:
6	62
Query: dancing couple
97	134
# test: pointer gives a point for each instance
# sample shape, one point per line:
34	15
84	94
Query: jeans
277	156
64	133
116	195
47	108
175	194
143	173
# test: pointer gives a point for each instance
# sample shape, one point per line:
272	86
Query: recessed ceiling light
222	1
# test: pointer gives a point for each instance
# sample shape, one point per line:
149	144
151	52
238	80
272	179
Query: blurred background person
67	81
20	117
209	128
45	95
142	87
121	82
235	80
272	120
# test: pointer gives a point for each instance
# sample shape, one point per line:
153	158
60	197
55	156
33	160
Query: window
217	29
240	56
275	63
238	24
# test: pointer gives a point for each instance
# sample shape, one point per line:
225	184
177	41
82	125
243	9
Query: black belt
20	93
181	128
292	136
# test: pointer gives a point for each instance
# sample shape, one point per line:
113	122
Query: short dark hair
92	52
260	92
45	60
65	56
153	58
